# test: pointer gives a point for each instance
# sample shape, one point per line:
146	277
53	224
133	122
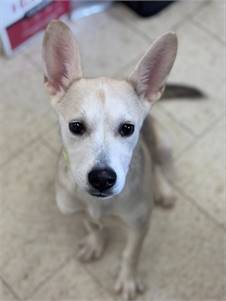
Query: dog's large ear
150	74
61	58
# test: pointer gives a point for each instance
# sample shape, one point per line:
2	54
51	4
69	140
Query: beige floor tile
224	267
14	66
200	63
170	131
201	172
35	237
101	53
52	139
127	69
25	87
5	294
182	257
71	283
113	44
22	128
160	23
200	60
24	110
212	18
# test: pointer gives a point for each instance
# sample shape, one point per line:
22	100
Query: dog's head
100	119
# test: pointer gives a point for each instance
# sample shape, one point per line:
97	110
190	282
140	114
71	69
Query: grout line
18	152
45	142
98	282
190	15
31	142
21	150
161	125
5	283
200	208
213	35
36	65
173	27
171	116
199	136
133	63
17	72
48	145
96	279
50	276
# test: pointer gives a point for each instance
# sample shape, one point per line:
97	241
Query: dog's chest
98	209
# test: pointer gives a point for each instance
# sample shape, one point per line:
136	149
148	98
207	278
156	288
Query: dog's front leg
93	244
128	282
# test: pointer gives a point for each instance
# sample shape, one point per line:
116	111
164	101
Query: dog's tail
173	91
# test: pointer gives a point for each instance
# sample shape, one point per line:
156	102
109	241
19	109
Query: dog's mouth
99	194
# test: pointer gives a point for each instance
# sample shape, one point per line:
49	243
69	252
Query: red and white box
21	19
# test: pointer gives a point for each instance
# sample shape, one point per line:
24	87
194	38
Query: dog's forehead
93	96
105	91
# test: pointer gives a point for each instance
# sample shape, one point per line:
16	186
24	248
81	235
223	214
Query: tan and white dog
112	164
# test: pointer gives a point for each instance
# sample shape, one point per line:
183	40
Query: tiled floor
183	256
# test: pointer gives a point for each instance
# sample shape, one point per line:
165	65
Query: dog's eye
77	127
126	129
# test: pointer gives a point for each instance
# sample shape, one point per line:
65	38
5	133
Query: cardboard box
21	19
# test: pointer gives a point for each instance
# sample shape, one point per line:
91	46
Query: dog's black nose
102	179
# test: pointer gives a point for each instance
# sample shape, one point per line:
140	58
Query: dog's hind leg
163	168
93	244
163	174
163	193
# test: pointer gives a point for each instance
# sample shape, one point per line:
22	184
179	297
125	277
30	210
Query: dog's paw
129	287
165	199
165	195
91	247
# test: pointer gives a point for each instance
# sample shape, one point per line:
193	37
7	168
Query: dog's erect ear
151	72
61	58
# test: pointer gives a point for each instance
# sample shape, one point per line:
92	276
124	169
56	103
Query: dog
112	164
